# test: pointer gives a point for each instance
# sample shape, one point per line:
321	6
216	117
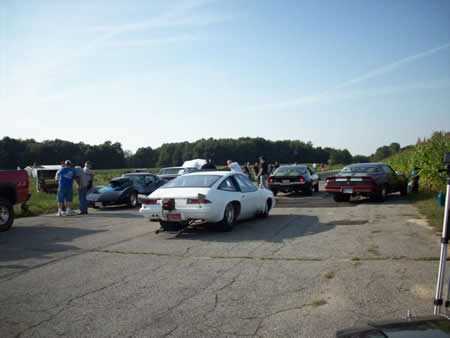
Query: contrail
392	66
369	75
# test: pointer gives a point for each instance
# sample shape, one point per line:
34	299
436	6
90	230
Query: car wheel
267	208
6	215
341	197
170	226
316	188
133	200
229	218
309	191
381	195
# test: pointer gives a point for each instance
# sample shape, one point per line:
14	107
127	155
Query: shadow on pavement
319	199
38	241
275	228
394	199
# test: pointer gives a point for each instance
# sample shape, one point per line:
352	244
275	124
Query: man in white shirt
234	167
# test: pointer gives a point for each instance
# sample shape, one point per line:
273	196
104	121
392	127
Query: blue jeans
82	192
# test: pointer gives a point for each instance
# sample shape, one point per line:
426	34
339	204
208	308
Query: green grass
42	203
426	203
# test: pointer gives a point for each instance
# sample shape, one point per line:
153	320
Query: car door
391	178
250	199
231	191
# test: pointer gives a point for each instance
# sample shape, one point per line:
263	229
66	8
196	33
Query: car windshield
194	181
361	169
120	183
290	171
169	171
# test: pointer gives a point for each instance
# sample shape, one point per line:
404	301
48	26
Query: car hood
178	192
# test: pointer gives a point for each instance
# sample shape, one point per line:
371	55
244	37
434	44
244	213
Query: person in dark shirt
209	165
246	170
263	172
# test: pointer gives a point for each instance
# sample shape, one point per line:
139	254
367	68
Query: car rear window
361	169
194	181
170	171
290	171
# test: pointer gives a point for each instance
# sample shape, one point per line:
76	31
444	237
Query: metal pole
443	257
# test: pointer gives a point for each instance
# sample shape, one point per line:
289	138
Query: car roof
293	165
137	174
211	173
369	164
172	168
121	178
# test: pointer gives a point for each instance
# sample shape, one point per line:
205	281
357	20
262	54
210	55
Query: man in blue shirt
65	177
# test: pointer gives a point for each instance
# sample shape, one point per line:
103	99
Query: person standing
89	173
82	181
255	171
263	172
234	167
65	177
246	170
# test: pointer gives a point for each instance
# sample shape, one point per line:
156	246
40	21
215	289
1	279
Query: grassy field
427	205
43	203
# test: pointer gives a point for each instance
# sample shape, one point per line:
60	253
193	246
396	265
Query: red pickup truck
13	190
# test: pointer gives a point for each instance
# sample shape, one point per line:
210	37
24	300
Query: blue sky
346	74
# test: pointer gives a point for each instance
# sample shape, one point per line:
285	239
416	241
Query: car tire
267	209
229	218
341	197
316	187
6	215
133	200
382	193
404	190
170	226
309	191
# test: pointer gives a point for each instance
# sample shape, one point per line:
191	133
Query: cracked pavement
309	269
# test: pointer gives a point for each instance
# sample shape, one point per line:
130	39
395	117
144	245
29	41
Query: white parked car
207	197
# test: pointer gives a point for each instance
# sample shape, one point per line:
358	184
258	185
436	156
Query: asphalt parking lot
312	267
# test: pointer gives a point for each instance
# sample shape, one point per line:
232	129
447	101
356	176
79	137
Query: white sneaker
60	213
70	212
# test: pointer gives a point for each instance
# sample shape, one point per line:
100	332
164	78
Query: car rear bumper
355	189
203	214
289	186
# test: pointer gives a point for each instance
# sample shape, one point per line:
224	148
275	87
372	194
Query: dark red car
374	180
13	190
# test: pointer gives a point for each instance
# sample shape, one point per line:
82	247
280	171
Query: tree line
23	152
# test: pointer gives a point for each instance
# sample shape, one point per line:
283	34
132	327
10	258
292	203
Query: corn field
427	156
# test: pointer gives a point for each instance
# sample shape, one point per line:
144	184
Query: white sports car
221	197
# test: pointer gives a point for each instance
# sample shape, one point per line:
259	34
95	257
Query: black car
124	190
296	178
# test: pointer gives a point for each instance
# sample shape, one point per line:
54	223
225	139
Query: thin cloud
367	76
155	41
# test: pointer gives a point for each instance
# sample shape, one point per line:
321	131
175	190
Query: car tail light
168	204
198	201
368	179
301	179
150	201
270	179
